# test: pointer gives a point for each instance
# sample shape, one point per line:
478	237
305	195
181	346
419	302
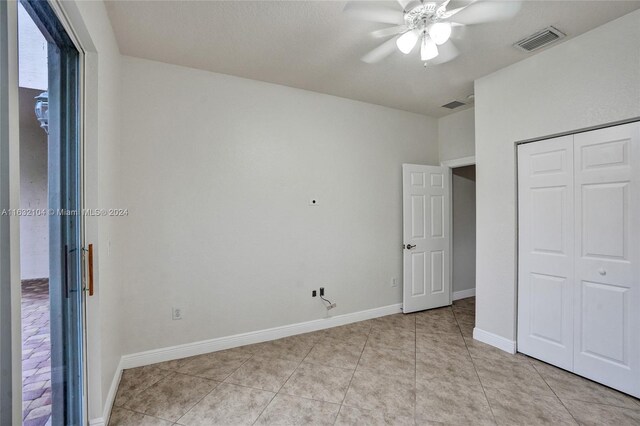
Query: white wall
34	230
590	80
456	135
219	171
464	228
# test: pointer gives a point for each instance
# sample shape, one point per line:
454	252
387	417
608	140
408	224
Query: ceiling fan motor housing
418	17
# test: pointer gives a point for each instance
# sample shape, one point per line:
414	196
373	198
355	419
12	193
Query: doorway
464	231
50	220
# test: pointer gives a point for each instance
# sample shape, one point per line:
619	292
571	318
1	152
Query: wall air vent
540	39
453	105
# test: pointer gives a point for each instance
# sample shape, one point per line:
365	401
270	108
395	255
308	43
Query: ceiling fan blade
404	3
381	52
374	13
386	32
446	52
487	11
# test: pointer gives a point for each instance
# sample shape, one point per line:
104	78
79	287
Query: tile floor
36	353
422	368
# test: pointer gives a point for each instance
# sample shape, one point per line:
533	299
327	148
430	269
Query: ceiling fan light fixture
407	41
440	32
428	49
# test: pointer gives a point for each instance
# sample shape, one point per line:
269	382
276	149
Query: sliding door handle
90	261
66	271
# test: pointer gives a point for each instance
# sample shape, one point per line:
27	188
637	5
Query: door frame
453	164
72	20
10	291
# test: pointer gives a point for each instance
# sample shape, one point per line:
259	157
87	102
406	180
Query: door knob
410	246
602	271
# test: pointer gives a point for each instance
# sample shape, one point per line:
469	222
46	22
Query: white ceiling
312	45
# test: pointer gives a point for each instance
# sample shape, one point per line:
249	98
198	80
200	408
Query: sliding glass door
65	216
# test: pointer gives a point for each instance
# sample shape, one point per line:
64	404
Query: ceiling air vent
453	105
540	39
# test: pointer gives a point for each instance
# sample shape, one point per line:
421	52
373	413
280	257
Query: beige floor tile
383	360
318	382
517	408
396	339
440	363
479	350
464	315
216	365
590	414
452	403
511	376
290	348
356	332
336	353
171	397
174	364
228	405
351	416
391	322
437	325
381	393
136	380
446	341
293	410
445	314
468	303
263	373
466	329
571	386
124	417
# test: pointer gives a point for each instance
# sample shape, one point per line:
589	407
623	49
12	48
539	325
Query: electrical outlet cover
176	314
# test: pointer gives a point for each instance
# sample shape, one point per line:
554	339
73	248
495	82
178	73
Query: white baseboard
111	396
494	340
141	359
463	294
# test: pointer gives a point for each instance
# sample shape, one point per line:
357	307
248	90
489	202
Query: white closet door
545	275
607	248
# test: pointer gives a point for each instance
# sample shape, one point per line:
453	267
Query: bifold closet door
546	244
607	251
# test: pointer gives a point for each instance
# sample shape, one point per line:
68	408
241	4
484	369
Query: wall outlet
313	293
313	202
176	314
394	282
321	291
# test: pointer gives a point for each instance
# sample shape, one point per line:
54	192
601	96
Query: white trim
494	340
459	162
463	294
212	345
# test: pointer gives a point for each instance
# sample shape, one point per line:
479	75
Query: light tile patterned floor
36	353
422	368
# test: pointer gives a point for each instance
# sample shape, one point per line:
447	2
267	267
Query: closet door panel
545	275
607	250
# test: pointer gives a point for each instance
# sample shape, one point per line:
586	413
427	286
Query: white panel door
607	247
545	274
426	202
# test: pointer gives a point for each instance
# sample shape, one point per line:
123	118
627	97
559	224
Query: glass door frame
66	65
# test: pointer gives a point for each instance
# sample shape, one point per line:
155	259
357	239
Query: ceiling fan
427	22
